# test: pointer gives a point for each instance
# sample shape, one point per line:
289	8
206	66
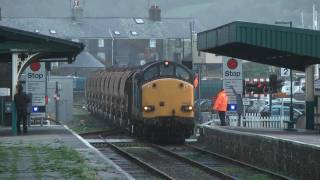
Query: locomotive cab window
151	73
166	70
182	73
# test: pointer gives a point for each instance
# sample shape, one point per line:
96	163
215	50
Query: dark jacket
21	100
239	102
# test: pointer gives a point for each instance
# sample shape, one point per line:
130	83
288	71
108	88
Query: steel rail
141	163
273	174
103	132
194	163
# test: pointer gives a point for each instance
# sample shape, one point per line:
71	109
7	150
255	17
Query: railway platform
34	155
291	153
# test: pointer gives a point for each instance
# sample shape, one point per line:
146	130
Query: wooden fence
255	120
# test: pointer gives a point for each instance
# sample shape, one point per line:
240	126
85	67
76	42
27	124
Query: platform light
232	107
148	108
35	109
186	108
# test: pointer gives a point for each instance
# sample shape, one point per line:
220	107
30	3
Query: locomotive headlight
148	108
186	108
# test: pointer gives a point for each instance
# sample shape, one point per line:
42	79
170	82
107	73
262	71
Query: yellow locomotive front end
168	98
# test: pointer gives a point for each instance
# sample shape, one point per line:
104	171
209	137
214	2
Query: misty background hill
211	13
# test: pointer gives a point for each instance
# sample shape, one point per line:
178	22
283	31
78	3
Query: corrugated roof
24	41
268	44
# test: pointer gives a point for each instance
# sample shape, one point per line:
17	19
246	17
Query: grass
67	162
36	165
84	122
62	160
14	163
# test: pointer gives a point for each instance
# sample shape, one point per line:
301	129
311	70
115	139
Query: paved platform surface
298	136
291	153
57	136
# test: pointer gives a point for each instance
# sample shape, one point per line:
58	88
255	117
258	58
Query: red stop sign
35	66
232	63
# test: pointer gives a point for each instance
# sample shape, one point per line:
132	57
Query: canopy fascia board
267	44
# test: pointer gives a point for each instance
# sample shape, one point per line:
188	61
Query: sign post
35	85
285	72
232	79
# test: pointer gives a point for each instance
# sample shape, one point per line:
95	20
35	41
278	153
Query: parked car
299	105
278	110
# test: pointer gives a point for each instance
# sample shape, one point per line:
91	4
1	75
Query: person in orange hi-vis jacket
196	81
220	105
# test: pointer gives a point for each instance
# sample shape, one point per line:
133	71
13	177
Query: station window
134	33
178	43
166	70
101	43
52	31
116	33
153	43
151	73
102	55
139	21
182	73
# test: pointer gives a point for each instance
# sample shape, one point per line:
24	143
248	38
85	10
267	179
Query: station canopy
19	41
275	45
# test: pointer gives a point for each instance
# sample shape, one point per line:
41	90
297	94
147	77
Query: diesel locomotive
153	101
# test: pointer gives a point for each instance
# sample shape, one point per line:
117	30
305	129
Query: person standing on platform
239	104
220	105
21	101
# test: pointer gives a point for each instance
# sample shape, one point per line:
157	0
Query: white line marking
268	136
97	151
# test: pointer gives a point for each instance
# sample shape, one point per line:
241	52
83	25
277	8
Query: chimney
155	13
77	11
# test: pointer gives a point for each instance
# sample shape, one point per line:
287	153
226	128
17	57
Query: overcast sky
210	13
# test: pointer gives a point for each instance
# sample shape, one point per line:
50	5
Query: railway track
233	168
150	161
161	164
131	167
105	133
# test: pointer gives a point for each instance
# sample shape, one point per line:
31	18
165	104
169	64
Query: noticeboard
4	91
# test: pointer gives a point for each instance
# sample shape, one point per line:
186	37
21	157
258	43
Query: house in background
121	39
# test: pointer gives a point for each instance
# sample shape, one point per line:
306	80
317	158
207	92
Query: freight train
154	101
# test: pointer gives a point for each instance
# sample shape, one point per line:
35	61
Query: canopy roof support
280	46
22	48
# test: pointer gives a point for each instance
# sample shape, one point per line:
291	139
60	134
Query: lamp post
291	106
